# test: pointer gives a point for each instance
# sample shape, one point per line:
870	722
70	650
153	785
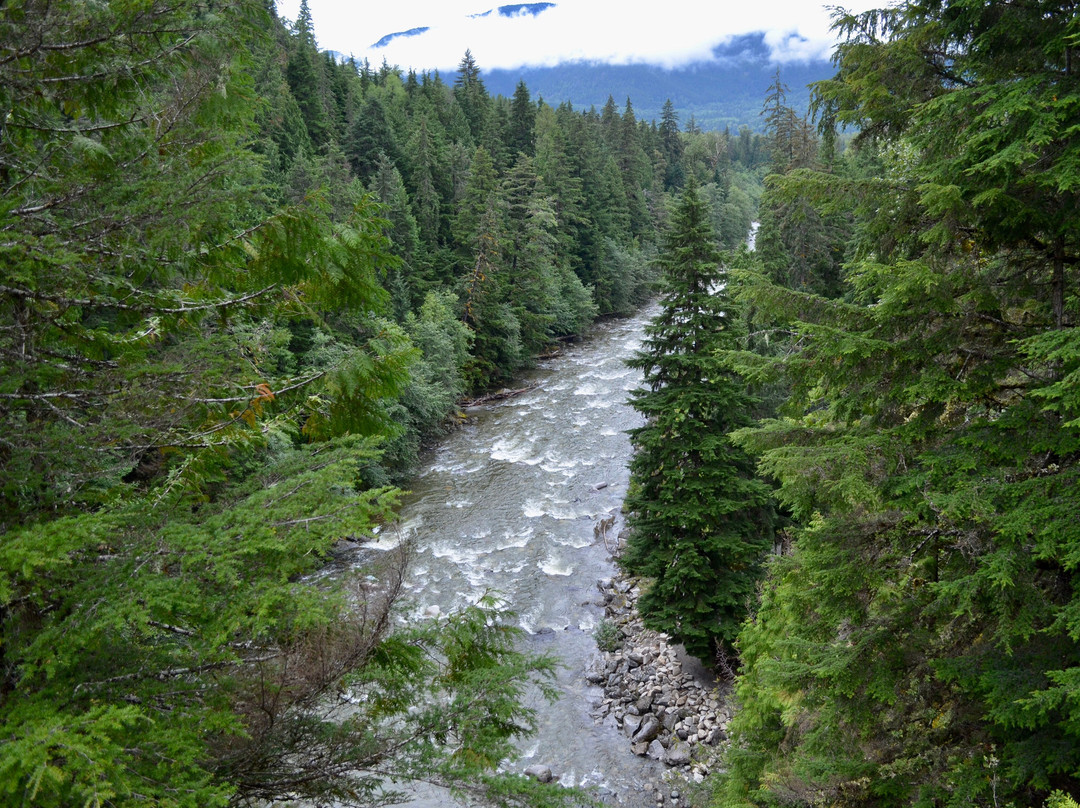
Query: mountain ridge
727	91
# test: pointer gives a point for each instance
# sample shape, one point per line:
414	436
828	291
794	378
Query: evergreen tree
482	185
636	170
472	96
671	147
699	519
369	138
304	75
521	135
193	381
917	645
424	168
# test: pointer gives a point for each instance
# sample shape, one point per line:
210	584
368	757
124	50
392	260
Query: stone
656	750
678	754
631	724
645	702
594	671
649	730
715	736
639	749
542	774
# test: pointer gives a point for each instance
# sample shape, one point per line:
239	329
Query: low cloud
669	34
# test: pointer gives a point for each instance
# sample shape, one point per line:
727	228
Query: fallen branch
499	396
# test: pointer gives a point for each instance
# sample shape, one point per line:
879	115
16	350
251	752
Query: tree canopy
917	642
241	283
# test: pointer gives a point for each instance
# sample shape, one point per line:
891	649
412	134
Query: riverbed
524	501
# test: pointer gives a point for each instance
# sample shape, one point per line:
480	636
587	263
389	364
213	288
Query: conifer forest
244	283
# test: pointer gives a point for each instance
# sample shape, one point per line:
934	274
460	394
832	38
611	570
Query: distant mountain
530	9
727	91
386	40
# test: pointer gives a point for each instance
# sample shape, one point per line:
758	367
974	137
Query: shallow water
510	504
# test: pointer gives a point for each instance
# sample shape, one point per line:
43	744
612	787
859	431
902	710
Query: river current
512	504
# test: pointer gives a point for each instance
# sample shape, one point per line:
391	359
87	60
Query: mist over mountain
725	92
715	69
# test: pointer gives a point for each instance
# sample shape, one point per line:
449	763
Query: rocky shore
669	707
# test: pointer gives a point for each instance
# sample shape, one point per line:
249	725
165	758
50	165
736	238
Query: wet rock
631	724
595	671
542	774
656	750
639	749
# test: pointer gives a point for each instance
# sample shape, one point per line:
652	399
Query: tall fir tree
672	147
521	136
700	520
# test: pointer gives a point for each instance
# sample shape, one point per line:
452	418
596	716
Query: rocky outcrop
669	708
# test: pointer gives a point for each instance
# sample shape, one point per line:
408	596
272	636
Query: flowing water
512	504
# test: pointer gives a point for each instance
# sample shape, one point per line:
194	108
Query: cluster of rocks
666	712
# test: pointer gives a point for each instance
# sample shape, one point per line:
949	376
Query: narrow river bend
511	503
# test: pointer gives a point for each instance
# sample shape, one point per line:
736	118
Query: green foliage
700	521
1060	799
608	636
240	284
917	644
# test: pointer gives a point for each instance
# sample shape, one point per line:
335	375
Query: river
510	504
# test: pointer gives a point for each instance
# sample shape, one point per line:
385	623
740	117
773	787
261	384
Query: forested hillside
721	93
242	284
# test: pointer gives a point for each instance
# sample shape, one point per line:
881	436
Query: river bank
668	705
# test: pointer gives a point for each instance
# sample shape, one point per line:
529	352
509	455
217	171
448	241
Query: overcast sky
664	32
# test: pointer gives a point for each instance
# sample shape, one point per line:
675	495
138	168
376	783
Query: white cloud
669	33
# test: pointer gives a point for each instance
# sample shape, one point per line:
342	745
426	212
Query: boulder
678	754
649	729
542	774
644	703
595	673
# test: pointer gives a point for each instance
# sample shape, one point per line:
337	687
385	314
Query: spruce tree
672	147
700	521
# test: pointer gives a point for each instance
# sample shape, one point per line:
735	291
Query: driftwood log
499	396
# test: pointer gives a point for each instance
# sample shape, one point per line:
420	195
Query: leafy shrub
608	636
